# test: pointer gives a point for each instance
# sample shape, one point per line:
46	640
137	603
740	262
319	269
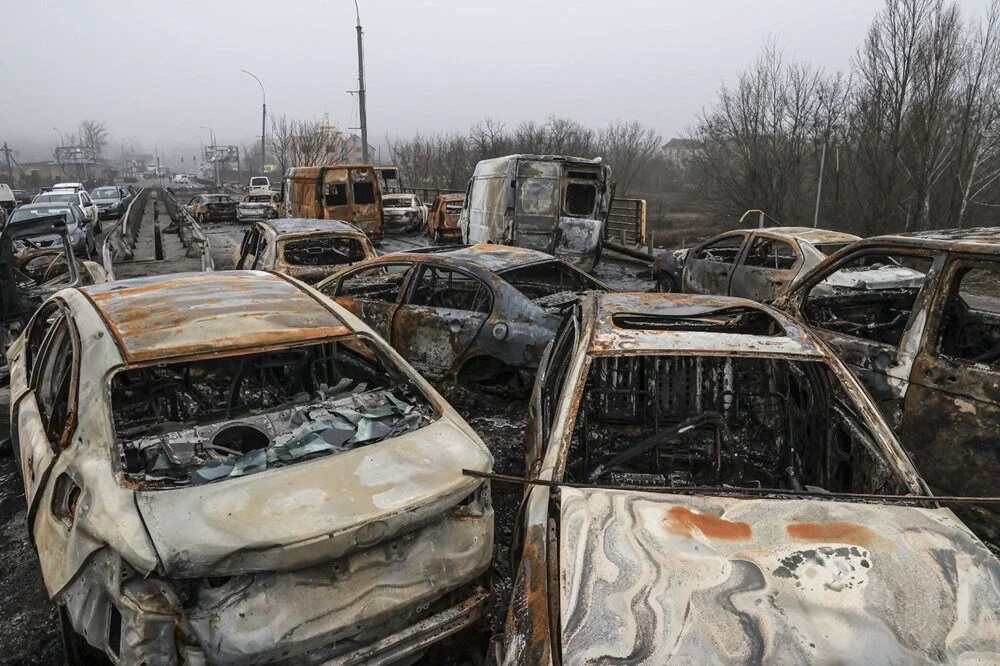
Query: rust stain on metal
687	522
837	532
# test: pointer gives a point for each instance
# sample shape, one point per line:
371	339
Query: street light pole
819	185
361	89
263	120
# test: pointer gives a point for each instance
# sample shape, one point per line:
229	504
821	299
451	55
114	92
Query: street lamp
263	119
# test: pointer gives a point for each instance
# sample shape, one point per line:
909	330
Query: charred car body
685	430
756	263
212	208
37	260
308	250
443	218
259	204
550	203
481	315
917	317
403	212
348	192
200	452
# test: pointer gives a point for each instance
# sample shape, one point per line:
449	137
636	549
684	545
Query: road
29	630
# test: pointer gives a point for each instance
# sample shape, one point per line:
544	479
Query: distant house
679	151
352	146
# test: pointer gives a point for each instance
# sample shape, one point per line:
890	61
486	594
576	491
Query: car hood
656	578
315	511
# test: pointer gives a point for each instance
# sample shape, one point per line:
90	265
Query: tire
665	283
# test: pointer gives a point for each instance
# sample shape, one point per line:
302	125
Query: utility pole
263	122
819	185
7	150
361	90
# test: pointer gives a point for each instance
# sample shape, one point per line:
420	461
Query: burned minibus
551	203
348	192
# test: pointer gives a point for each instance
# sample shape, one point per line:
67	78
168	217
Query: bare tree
630	147
94	135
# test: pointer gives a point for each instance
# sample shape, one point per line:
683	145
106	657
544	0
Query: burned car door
440	318
709	266
372	293
536	205
244	254
867	306
952	407
767	267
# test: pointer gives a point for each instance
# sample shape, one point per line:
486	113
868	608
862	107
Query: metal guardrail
120	239
190	231
626	222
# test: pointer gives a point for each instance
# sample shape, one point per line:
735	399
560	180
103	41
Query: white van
551	203
182	179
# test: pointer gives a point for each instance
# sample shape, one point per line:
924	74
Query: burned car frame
479	315
758	264
917	317
205	465
703	486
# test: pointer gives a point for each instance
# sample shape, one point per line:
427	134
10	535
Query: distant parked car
442	219
22	197
212	208
76	196
111	201
8	200
258	205
228	468
308	250
78	226
479	315
756	263
403	212
713	486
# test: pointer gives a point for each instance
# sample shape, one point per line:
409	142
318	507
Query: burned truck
550	203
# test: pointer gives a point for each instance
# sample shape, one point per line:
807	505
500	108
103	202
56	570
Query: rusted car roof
810	235
611	337
980	240
191	314
297	225
727	580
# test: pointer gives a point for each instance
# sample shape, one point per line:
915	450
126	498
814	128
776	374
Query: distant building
679	151
352	146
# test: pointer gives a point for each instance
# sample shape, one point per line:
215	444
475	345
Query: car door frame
767	282
887	374
687	284
384	325
399	316
949	395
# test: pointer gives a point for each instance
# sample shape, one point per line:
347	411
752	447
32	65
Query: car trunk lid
290	517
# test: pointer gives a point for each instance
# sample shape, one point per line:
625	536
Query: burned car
258	205
211	208
403	212
479	315
36	261
750	263
308	250
232	469
917	317
442	220
708	483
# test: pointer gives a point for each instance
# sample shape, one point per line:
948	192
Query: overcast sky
157	72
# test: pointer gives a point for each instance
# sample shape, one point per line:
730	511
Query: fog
158	73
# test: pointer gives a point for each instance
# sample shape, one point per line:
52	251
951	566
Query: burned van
550	203
348	192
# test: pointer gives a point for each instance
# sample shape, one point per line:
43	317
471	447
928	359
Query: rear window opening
736	320
335	195
323	251
580	199
184	424
363	187
552	285
682	421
